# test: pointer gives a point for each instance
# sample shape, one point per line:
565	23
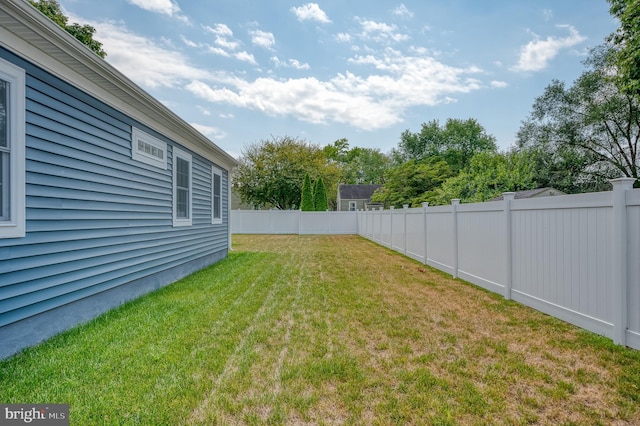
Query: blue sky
242	71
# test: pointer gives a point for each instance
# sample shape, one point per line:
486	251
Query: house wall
344	204
98	223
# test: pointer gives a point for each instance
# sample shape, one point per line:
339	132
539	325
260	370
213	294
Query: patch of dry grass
376	337
327	330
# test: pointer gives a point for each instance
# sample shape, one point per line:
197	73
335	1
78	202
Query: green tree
358	165
489	174
559	166
271	172
412	182
592	124
456	143
626	39
320	196
84	33
307	204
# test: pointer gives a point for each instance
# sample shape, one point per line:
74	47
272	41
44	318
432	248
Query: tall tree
626	39
358	165
489	174
271	172
412	182
561	166
84	33
456	143
320	196
592	121
306	203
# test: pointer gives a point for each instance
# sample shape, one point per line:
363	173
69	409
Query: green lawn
326	330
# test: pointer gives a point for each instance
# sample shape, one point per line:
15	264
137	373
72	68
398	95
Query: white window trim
15	225
354	204
136	154
178	153
215	171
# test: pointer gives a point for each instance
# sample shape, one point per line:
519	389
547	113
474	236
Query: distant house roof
356	192
533	193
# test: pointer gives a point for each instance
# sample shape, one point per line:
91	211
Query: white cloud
311	12
536	55
166	7
209	131
292	63
365	102
499	84
373	95
218	51
343	37
262	39
246	57
224	36
298	65
142	60
402	11
548	14
189	42
380	31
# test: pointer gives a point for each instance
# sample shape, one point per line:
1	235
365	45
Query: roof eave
28	33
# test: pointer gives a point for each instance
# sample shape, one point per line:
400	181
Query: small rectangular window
148	149
216	195
353	206
182	188
12	151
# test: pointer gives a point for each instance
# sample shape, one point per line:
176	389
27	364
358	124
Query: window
353	206
216	195
147	149
182	214
12	141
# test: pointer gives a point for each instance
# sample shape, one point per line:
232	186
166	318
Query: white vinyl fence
293	222
576	257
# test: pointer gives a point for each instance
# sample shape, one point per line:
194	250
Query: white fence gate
576	257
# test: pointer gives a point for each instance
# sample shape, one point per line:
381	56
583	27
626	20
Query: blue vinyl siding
96	218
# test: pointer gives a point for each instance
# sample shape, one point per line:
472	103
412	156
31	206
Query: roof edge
71	61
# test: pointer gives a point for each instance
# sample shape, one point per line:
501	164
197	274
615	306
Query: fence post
370	230
424	214
405	207
391	209
508	279
454	213
381	227
271	225
620	260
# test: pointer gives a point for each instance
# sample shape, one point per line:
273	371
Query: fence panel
398	230
416	234
385	228
482	255
440	238
293	222
328	223
633	228
562	262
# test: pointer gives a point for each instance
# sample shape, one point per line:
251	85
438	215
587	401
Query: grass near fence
326	330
